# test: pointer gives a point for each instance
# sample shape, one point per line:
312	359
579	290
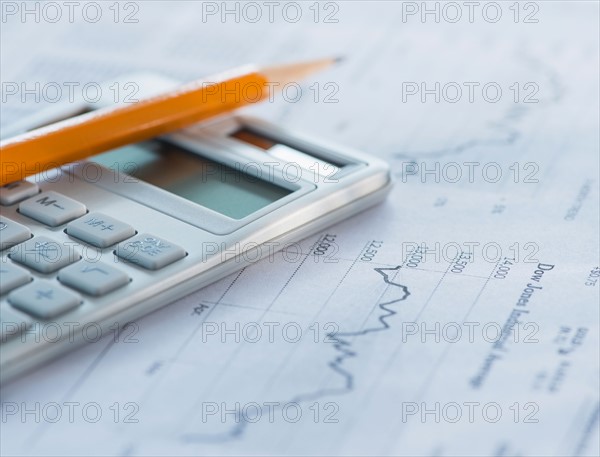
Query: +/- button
12	277
12	233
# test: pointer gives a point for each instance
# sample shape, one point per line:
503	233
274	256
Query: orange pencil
108	128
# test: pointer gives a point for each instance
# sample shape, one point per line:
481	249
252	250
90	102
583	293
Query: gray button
44	299
52	208
44	254
99	230
12	276
149	251
12	322
12	233
16	191
93	278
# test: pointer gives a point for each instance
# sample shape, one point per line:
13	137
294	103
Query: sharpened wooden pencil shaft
108	128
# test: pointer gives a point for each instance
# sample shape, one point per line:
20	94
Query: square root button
149	251
93	278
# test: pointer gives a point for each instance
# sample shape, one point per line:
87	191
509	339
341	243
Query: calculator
89	247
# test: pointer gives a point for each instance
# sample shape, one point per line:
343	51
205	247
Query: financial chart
459	317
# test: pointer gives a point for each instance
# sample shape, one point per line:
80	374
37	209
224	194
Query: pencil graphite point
288	73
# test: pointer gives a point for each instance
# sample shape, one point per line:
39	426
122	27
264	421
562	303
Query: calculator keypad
149	251
52	208
44	254
44	299
99	230
12	233
16	191
26	298
93	278
12	276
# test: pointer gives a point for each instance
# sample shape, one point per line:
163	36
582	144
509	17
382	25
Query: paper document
460	317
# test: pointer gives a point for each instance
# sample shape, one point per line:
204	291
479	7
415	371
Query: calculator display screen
229	191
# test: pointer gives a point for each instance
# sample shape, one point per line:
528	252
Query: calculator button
44	254
44	299
16	191
93	278
149	251
52	208
100	230
12	322
12	233
12	277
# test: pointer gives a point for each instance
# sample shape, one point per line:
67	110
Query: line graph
342	344
506	129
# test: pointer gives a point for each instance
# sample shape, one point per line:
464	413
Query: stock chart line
342	343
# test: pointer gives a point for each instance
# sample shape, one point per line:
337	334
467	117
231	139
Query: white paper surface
415	366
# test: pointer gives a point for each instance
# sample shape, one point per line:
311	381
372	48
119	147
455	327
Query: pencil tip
339	59
293	72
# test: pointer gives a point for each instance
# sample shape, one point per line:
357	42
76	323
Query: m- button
52	208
